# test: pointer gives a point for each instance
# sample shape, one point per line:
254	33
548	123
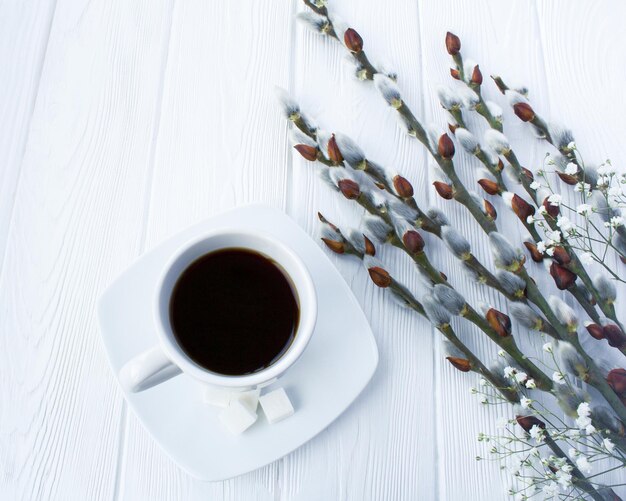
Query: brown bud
370	249
617	381
334	245
444	189
567	179
595	331
380	276
444	276
563	278
349	189
500	165
499	322
403	187
527	422
452	127
529	175
321	217
561	256
477	76
522	208
307	152
552	210
524	111
333	151
490	210
413	241
353	40
614	336
536	256
445	146
453	44
461	364
489	186
454	73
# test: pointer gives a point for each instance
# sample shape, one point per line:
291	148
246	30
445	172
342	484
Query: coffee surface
234	312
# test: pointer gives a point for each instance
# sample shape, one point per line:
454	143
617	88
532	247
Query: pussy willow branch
411	302
575	265
475	365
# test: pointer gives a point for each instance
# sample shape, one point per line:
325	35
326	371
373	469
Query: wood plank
382	448
24	30
221	142
76	224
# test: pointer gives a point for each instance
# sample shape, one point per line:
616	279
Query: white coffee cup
167	359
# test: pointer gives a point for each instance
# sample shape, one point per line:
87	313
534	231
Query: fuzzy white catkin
504	254
351	152
438	217
494	109
435	312
561	136
402	210
497	141
525	315
513	97
339	25
356	239
563	312
287	103
449	298
387	88
468	97
467	140
511	283
456	242
375	228
605	287
323	137
296	136
312	21
448	98
570	360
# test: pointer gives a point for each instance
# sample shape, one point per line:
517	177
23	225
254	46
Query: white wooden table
123	122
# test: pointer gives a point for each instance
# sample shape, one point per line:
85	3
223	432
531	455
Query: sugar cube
237	417
248	398
276	405
217	397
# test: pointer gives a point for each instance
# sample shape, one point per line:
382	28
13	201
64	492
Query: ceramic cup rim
264	244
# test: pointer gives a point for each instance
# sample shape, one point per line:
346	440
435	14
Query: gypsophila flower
555	199
536	433
583	409
583	464
583	421
617	221
501	353
572	452
530	219
558	377
582	187
509	371
526	402
550	488
520	377
571	169
550	251
564	479
484	400
564	223
554	237
535	185
530	384
548	347
584	209
573	434
608	445
590	429
541	247
473	390
482	382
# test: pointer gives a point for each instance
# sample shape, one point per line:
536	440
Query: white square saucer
335	367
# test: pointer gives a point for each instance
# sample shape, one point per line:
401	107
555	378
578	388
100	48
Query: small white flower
473	390
617	221
586	258
564	479
543	210
571	145
583	421
530	219
571	169
608	445
548	347
536	433
584	209
509	371
526	402
484	400
558	377
535	185
520	377
564	223
541	246
482	382
583	464
582	187
573	434
550	488
572	452
583	409
554	199
530	384
550	251
534	451
590	429
501	353
554	236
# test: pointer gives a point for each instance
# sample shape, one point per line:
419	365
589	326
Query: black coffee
234	312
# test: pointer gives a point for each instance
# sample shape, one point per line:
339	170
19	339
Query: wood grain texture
151	116
24	30
76	223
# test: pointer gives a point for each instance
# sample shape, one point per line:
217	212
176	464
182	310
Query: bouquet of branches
555	453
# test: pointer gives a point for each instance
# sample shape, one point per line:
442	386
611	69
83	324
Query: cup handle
146	370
